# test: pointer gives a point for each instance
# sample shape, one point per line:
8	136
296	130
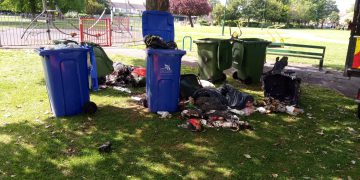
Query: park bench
283	50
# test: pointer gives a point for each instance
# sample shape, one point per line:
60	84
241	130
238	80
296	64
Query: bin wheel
358	111
235	75
145	103
247	81
223	77
90	108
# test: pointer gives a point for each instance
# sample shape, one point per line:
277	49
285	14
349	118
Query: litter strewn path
327	78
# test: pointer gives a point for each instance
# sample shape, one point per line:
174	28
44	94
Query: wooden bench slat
293	55
295	52
297	45
278	49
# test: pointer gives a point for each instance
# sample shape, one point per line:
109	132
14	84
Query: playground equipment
190	42
275	35
49	18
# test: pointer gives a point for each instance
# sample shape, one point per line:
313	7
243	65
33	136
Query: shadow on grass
148	147
316	145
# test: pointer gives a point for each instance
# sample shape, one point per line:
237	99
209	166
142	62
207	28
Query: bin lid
253	41
159	23
210	40
43	52
166	51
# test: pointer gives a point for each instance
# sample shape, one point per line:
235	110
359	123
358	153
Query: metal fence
17	30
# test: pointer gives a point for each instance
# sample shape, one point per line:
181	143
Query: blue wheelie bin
162	66
67	79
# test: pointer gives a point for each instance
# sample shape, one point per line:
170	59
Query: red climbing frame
97	31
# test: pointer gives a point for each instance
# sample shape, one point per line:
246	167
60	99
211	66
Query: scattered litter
193	125
18	106
207	84
105	148
48	126
353	162
293	110
191	113
274	175
247	156
164	114
7	115
238	112
122	89
262	110
135	98
321	132
351	130
124	75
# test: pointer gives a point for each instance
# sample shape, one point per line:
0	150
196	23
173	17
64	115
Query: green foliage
218	13
35	6
204	22
27	6
73	5
282	11
251	24
94	7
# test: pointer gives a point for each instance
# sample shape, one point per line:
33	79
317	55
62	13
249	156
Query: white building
127	7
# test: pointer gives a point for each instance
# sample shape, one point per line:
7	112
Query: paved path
327	78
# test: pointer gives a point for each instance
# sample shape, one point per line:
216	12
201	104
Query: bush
231	23
251	24
204	22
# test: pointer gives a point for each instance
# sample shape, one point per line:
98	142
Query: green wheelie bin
214	58
248	56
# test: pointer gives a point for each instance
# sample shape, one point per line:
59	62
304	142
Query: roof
120	5
128	6
138	6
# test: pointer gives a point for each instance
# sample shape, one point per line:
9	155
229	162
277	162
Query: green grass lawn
34	145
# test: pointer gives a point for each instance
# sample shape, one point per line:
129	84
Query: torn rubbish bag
209	99
235	98
280	85
189	83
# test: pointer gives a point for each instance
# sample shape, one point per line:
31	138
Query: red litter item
140	71
195	123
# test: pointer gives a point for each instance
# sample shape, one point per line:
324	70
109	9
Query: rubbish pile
217	108
223	107
157	42
124	76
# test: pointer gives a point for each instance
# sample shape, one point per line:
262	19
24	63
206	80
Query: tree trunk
157	5
322	23
191	22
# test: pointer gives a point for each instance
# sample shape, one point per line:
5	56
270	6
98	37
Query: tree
218	13
214	2
334	18
26	6
190	8
300	11
159	5
73	5
322	9
94	7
